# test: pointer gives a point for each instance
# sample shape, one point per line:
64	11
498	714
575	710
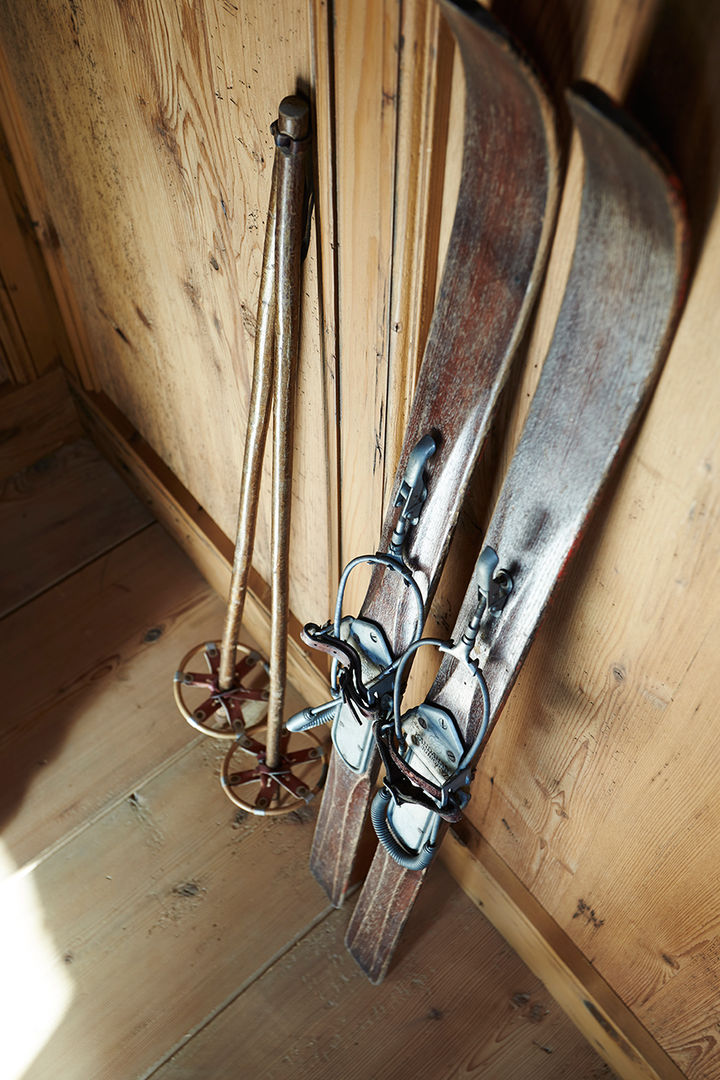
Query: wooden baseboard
593	1006
192	528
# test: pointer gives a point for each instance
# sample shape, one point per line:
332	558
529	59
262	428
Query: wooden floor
150	929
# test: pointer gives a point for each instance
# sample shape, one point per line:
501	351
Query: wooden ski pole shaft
255	438
291	138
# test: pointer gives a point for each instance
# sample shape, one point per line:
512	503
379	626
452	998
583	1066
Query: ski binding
363	670
427	765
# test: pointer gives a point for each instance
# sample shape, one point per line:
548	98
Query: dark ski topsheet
618	314
497	253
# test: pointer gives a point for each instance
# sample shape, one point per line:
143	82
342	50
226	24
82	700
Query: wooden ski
618	314
500	239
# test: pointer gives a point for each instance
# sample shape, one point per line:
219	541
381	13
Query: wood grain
424	78
624	294
599	790
85	698
193	529
594	820
35	420
169	889
497	254
594	1007
580	789
58	515
460	1005
153	880
32	336
150	125
323	100
365	47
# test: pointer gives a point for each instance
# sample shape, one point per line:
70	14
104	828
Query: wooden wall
140	133
32	335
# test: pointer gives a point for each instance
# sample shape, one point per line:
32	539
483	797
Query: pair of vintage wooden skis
620	307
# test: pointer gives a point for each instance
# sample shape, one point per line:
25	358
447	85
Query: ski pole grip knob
294	117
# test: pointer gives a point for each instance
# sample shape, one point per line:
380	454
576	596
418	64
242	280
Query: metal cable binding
427	764
363	667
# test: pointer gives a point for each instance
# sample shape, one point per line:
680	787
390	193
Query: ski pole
229	665
255	437
276	767
291	140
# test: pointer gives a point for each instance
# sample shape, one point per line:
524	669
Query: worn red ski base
619	311
497	253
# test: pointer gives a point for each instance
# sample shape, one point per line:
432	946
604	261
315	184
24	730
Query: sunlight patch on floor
35	990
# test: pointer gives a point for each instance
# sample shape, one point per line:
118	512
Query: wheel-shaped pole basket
298	776
222	714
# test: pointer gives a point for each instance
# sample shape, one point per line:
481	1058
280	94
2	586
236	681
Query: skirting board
192	528
592	1005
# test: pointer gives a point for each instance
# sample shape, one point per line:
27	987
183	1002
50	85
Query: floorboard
56	516
161	910
88	687
35	420
458	1003
149	928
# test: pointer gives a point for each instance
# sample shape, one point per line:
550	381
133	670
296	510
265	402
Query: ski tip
466	18
589	94
586	100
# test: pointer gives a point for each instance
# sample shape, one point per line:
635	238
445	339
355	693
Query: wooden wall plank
391	113
323	96
23	156
366	42
149	125
426	49
32	336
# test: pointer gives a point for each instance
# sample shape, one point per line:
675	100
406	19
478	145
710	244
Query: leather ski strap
620	308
